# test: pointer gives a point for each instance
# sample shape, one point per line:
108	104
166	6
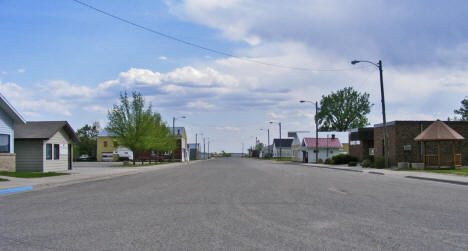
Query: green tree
344	110
88	136
463	110
162	139
132	123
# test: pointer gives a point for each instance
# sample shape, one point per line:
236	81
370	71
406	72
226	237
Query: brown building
401	144
361	143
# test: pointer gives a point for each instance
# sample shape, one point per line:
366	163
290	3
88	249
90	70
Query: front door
305	155
70	156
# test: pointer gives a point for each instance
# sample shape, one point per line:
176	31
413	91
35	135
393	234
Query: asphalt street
239	204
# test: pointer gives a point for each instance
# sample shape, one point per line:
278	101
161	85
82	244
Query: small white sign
63	149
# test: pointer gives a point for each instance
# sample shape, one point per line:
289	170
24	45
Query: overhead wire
196	45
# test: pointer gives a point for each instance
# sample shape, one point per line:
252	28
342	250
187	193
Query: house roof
438	131
105	133
282	142
43	130
10	110
177	129
322	142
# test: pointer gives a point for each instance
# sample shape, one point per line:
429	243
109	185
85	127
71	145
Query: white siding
322	154
6	127
28	155
285	152
61	164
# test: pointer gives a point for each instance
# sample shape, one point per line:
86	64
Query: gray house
44	146
8	118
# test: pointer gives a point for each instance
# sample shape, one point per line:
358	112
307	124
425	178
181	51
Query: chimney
333	136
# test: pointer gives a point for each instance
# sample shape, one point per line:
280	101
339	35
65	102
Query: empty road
239	204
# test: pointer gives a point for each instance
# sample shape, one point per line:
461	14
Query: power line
204	47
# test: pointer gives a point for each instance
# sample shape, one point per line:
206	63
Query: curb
439	180
334	168
15	189
379	173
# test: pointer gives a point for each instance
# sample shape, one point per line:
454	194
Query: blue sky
63	61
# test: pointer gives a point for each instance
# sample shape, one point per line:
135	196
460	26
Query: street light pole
279	124
316	127
382	95
204	156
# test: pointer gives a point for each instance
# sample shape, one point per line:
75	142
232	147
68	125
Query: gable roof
43	130
282	142
322	142
10	110
177	130
438	131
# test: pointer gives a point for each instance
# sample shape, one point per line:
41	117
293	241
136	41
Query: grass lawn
463	171
278	159
31	174
2	179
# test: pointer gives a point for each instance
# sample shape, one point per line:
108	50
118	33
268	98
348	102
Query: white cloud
228	128
21	70
199	104
4	72
42	105
63	89
162	58
276	116
11	90
96	108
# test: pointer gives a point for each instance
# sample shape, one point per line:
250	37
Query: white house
296	145
8	118
44	146
327	148
282	148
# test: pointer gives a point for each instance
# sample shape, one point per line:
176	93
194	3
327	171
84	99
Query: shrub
379	162
352	163
343	159
329	161
320	161
367	163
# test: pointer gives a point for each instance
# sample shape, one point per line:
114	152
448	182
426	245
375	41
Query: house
282	148
44	146
181	153
108	148
266	152
296	145
327	148
8	118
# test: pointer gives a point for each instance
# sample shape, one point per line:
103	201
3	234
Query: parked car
84	157
123	153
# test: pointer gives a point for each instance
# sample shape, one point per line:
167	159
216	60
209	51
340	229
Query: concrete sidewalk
82	173
447	178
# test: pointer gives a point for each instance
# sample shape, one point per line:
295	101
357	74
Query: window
56	151
4	143
105	143
48	151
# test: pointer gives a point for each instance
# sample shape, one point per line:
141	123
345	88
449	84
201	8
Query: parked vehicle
84	157
123	154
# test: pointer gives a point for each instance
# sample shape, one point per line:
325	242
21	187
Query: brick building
401	144
361	143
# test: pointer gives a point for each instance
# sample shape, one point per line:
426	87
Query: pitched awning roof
438	131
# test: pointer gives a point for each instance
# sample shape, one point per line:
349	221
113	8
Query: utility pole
280	138
327	146
379	65
383	114
204	155
316	132
268	146
242	155
208	148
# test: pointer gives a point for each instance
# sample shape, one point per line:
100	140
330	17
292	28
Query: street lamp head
183	117
355	61
302	101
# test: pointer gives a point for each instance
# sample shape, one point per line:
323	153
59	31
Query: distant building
44	146
282	148
296	145
8	118
194	150
108	148
327	148
182	152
